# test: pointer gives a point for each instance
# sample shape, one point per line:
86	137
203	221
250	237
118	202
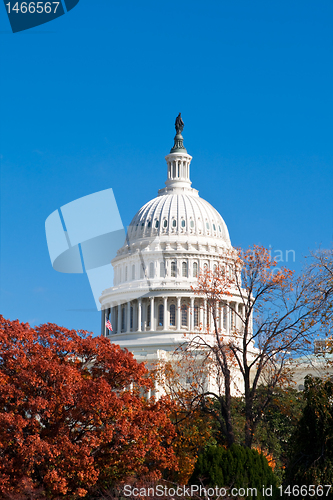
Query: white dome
179	213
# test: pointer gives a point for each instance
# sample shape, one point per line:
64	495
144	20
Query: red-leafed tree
73	414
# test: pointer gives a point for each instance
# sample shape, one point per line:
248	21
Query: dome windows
214	227
156	224
207	225
165	223
149	223
184	269
192	224
162	269
183	223
195	269
174	223
151	270
220	228
173	269
133	272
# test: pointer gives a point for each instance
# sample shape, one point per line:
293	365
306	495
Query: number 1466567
32	7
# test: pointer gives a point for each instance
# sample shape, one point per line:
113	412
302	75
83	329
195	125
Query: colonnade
169	314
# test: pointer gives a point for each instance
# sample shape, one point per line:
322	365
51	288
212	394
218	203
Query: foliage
311	460
194	428
278	421
72	412
193	432
234	467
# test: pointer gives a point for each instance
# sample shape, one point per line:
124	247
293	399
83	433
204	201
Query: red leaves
67	415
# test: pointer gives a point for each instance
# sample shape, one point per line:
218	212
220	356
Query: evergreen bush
236	467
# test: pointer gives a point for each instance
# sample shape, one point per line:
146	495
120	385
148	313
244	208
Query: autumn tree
73	413
270	319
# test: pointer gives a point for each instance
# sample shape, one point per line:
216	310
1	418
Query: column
152	313
178	313
128	322
165	312
227	312
192	315
139	314
103	322
205	314
119	319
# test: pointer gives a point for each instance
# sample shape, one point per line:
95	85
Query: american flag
108	325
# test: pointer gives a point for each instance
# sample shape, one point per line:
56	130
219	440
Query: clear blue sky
88	102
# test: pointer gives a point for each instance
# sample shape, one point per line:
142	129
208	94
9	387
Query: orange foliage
68	417
270	459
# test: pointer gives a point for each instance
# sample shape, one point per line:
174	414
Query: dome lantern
178	160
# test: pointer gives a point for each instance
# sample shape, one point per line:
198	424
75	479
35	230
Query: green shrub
236	467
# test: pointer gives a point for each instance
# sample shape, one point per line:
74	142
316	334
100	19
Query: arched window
123	319
149	223
133	272
184	315
184	269
174	223
126	273
131	317
148	315
151	270
183	223
195	269
156	224
173	269
160	314
172	315
196	316
165	223
162	269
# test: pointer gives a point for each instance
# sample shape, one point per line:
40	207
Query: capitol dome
152	305
183	213
178	211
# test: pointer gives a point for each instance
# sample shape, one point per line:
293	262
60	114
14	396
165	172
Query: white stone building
151	303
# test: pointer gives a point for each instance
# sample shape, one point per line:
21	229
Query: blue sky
89	100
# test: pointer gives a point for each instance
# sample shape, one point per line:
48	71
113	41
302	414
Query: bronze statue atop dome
179	125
